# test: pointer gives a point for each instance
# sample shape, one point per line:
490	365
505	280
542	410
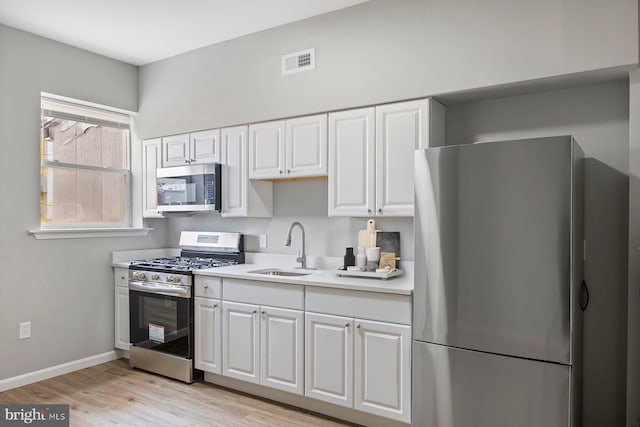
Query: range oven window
160	322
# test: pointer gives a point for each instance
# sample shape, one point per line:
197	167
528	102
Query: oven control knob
139	275
155	277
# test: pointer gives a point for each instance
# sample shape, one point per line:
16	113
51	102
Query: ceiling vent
299	61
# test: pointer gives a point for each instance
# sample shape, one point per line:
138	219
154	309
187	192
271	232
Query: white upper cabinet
175	150
385	186
266	150
151	160
294	148
400	130
205	147
191	148
352	162
240	196
306	143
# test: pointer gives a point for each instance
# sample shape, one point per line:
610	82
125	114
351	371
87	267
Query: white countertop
121	259
324	276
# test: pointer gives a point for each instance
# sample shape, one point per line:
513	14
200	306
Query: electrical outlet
263	240
25	330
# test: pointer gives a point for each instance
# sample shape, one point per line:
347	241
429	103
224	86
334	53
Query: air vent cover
299	61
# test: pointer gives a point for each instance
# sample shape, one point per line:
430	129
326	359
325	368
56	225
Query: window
84	167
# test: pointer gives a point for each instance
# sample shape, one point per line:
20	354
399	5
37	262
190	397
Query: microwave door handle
170	290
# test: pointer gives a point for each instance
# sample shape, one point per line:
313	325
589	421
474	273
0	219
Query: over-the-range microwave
189	188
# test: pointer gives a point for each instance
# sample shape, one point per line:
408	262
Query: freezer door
462	388
493	247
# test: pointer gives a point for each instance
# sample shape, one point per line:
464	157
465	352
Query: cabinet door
400	130
282	349
352	162
205	147
175	150
306	146
234	174
329	358
383	369
267	150
122	318
208	341
151	160
241	341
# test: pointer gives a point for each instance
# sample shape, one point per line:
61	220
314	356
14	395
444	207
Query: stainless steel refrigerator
499	290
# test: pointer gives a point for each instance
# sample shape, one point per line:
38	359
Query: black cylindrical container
349	258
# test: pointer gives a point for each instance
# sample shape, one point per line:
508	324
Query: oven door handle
162	289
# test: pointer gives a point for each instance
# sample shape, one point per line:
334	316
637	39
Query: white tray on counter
383	275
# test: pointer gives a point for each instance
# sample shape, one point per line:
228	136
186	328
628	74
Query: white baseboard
54	371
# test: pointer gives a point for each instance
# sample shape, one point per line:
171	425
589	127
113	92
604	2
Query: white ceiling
143	31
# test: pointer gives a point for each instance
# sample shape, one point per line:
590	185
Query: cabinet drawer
360	304
208	287
264	293
121	276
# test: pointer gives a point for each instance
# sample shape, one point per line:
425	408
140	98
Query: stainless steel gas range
161	302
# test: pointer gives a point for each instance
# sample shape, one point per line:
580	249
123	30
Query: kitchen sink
280	272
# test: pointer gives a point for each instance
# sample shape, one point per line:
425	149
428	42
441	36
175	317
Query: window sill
83	233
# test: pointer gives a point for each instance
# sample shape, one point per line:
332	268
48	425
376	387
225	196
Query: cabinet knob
369	210
346	325
263	312
186	160
288	170
280	171
206	286
358	326
122	278
215	305
255	311
379	210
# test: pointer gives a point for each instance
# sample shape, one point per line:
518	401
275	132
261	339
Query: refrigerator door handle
584	296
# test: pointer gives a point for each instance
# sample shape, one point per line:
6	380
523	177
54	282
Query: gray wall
306	202
64	287
598	117
383	51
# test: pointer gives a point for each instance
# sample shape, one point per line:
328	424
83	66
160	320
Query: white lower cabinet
318	342
241	341
263	345
208	340
122	318
121	327
359	363
329	358
281	344
383	369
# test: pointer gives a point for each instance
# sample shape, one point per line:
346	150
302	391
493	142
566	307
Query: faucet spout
302	257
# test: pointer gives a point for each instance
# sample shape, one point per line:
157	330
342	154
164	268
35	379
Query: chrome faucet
302	258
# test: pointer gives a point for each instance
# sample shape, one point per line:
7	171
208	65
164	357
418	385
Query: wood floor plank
113	394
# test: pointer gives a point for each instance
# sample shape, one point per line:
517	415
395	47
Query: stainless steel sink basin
280	272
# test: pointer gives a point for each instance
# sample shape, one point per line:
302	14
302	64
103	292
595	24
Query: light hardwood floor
113	394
